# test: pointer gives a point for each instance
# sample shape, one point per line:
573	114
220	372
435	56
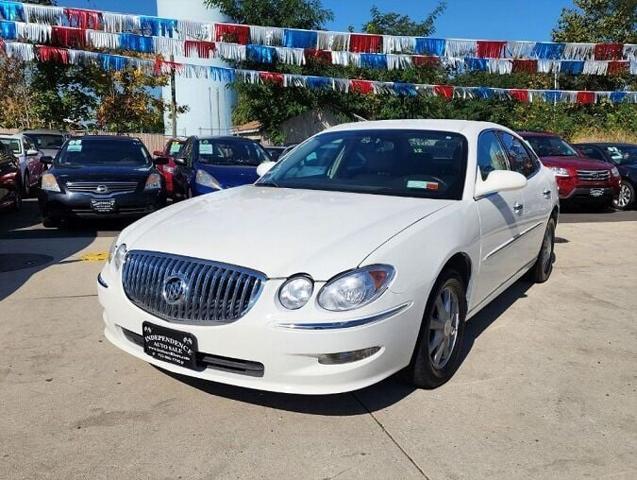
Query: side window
491	156
28	144
520	158
592	152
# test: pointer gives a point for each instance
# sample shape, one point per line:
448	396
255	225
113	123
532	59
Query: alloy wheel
443	328
625	196
546	255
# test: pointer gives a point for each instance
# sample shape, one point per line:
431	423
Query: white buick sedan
361	254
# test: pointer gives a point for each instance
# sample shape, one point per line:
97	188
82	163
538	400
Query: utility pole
173	96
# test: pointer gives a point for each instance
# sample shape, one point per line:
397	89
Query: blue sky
482	19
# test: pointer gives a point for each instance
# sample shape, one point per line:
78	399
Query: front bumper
288	356
590	195
71	204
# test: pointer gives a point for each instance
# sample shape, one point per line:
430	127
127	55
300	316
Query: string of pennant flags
45	53
79	28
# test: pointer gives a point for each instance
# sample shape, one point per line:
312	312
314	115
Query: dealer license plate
103	206
597	192
172	346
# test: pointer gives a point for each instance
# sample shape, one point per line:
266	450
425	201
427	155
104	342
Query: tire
543	267
429	368
17	201
26	185
626	198
50	222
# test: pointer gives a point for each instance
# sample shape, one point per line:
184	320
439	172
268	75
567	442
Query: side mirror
180	161
265	167
158	153
46	160
160	160
500	181
32	152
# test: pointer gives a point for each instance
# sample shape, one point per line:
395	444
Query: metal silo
210	102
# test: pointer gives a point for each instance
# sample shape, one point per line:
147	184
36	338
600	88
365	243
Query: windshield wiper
269	183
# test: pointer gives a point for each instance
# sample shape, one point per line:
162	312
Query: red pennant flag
84	18
272	77
445	91
364	87
321	56
68	37
519	95
52	54
490	49
201	48
618	67
365	43
609	51
586	98
425	61
524	66
232	33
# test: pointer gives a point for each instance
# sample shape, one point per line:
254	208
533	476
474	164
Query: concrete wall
210	102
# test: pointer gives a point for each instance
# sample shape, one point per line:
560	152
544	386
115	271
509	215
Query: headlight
120	256
614	172
205	179
296	292
560	172
153	182
355	289
50	183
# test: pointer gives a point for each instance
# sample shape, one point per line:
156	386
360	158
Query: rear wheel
17	200
26	185
51	222
437	354
626	197
541	271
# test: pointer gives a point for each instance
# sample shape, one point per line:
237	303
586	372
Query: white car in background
29	159
360	254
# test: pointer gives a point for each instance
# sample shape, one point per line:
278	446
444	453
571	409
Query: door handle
518	208
546	193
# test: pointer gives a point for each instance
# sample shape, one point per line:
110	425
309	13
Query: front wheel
437	354
26	185
543	267
17	200
626	197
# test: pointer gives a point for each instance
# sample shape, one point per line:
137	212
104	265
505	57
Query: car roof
16	136
43	131
608	144
466	127
115	138
225	138
531	133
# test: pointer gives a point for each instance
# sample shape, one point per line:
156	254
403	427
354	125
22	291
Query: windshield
230	152
623	154
174	147
415	163
87	152
551	147
47	140
13	143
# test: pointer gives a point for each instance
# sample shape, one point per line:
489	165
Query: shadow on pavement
368	400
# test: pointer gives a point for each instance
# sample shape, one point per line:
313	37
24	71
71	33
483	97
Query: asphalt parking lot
547	388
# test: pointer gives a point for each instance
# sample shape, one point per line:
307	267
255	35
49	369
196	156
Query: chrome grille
593	175
214	292
101	188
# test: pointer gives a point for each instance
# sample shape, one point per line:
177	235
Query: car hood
231	176
578	163
101	173
280	232
50	152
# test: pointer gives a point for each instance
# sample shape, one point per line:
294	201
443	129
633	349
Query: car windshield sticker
205	149
175	147
74	146
423	185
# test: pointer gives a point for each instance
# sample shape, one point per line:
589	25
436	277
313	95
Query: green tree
392	23
598	21
308	14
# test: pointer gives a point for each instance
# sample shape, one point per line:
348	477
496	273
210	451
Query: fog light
347	357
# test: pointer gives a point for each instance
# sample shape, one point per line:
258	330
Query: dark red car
10	182
171	150
579	179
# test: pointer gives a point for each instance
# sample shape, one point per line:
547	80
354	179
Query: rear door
500	221
537	196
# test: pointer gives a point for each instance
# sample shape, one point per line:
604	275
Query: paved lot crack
389	435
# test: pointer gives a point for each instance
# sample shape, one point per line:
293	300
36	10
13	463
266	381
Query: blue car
210	164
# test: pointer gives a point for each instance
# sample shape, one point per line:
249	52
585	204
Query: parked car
28	155
10	182
580	179
48	142
275	152
624	157
100	176
171	150
360	254
210	164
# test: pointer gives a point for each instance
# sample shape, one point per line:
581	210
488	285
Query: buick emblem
101	189
174	290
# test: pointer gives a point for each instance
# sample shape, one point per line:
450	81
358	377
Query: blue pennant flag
573	67
157	27
260	54
299	38
374	60
548	51
476	64
430	46
483	92
617	97
552	95
11	11
318	82
221	74
8	30
136	43
406	89
113	62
